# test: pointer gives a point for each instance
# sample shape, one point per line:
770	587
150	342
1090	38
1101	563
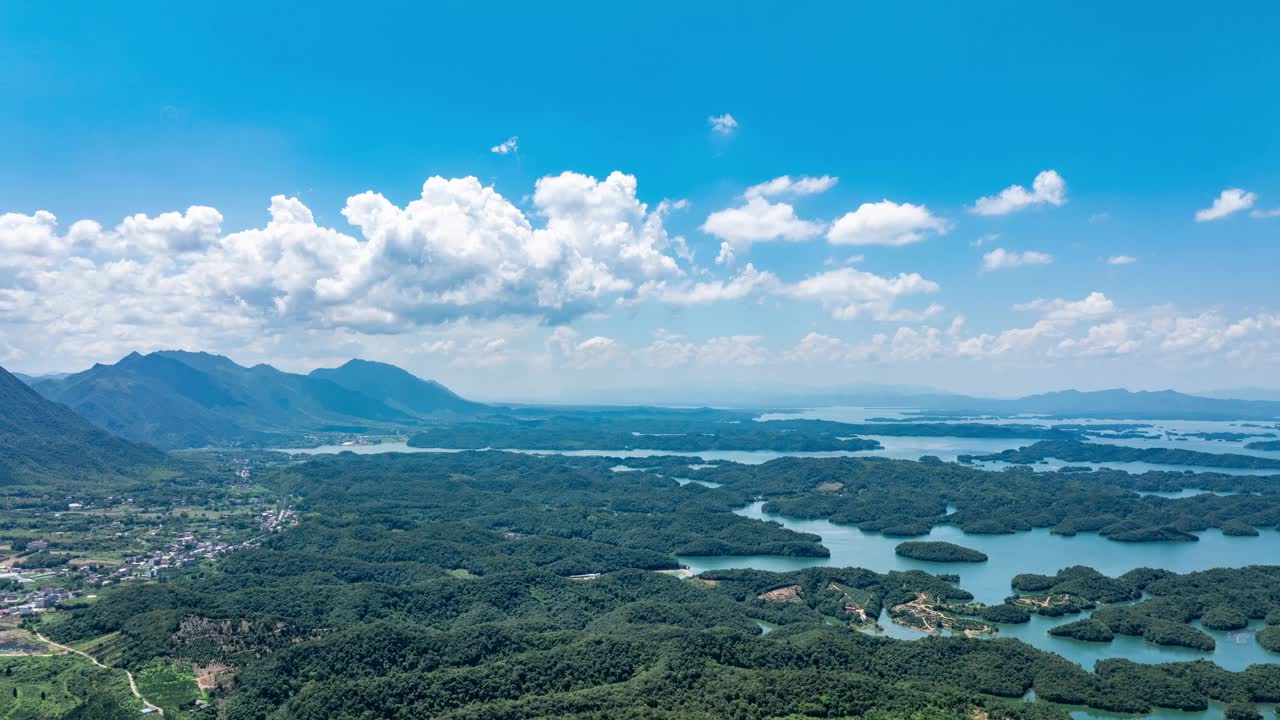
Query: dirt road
133	686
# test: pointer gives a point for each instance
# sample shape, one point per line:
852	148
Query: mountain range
1111	404
44	439
176	399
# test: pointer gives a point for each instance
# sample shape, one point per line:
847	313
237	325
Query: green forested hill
43	438
175	399
397	388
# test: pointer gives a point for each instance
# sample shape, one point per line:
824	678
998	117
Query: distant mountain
1117	404
398	388
44	439
1245	393
33	379
176	399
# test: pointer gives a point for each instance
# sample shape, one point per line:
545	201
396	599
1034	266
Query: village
39	589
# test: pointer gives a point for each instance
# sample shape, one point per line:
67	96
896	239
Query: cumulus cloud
756	221
1264	214
1048	188
29	236
1112	338
759	220
849	293
1229	201
1095	304
670	350
460	250
886	223
591	353
1121	260
787	185
745	283
1001	259
507	146
722	124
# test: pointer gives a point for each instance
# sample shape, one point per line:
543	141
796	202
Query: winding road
133	686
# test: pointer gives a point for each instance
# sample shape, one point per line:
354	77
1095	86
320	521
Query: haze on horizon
606	203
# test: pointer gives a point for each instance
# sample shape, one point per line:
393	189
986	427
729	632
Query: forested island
1221	599
694	431
939	552
1073	451
906	498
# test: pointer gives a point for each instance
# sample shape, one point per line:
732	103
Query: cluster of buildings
183	549
20	603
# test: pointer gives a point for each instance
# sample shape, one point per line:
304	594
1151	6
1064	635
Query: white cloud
1112	338
1094	305
1121	260
886	223
1001	259
1228	201
757	221
592	353
747	282
1264	214
670	350
723	124
510	145
786	185
732	350
190	232
29	235
461	250
849	293
911	345
1048	188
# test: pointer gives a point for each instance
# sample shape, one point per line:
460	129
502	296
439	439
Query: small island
1088	630
939	552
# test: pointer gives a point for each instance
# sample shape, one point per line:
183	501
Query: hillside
41	438
398	388
176	399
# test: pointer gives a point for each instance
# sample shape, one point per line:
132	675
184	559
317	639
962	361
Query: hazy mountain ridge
1114	404
178	399
397	388
40	437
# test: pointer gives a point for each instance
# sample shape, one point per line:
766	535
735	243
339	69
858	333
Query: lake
902	448
1037	551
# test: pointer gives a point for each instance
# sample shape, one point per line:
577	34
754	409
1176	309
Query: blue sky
1144	117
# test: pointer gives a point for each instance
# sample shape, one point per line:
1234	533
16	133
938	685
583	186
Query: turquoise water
1036	551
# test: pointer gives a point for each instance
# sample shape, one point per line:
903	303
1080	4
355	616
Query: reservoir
1037	551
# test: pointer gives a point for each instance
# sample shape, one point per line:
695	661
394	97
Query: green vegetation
1074	451
901	497
174	399
668	431
497	585
1222	599
1088	629
63	686
939	552
1005	613
463	586
170	685
1269	638
45	442
1224	617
